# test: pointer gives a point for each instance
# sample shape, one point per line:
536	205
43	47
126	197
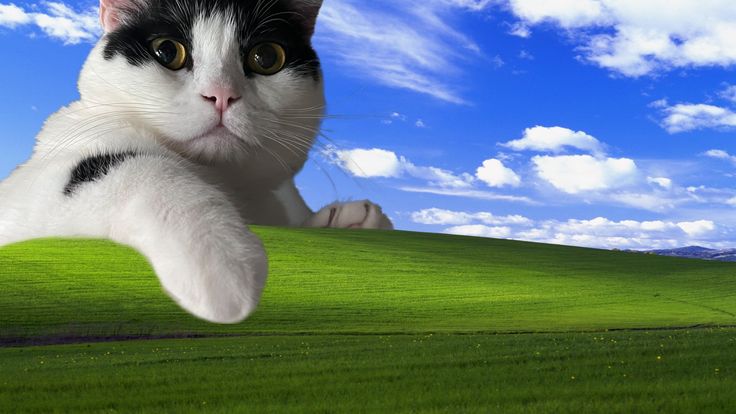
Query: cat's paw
354	215
217	282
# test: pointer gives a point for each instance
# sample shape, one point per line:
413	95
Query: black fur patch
93	168
259	21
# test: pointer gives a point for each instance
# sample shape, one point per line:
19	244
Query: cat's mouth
219	141
218	133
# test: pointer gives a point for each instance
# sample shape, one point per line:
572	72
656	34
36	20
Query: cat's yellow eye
266	59
169	52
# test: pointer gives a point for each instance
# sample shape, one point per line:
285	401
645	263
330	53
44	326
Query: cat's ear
308	11
114	12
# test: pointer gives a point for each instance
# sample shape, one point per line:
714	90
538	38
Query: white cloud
399	116
526	55
439	177
520	30
12	16
381	163
495	174
711	195
636	38
721	155
688	117
697	228
601	232
578	173
568	13
601	242
601	226
717	154
498	62
729	93
414	47
436	216
367	163
479	230
598	232
376	163
659	103
555	139
663	182
685	117
420	124
469	193
394	117
474	5
58	21
645	201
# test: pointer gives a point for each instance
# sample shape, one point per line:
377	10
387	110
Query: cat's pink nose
221	97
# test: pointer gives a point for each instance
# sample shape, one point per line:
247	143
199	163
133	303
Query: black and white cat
194	117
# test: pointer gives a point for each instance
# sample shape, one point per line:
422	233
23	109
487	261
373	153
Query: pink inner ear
111	12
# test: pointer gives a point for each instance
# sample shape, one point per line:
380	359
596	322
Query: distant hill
698	252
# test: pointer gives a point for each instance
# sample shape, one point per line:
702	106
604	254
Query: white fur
184	203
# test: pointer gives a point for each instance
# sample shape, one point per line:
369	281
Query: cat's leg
358	214
196	241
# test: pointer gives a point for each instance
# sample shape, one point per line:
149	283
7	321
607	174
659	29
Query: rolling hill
369	282
372	321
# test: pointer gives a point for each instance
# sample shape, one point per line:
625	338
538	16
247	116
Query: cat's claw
354	215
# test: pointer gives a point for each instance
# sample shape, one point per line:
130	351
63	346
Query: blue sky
597	123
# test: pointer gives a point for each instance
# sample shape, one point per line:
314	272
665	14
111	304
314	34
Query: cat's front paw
355	215
218	279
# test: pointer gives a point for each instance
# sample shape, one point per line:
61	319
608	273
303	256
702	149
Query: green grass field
373	322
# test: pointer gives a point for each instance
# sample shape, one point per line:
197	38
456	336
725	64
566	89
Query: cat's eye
169	52
266	59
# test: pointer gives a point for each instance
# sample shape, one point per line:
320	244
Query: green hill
362	321
327	281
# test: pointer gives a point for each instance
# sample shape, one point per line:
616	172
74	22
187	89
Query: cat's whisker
239	130
276	157
314	108
149	108
111	116
282	122
46	160
293	147
70	136
67	138
283	144
307	138
128	91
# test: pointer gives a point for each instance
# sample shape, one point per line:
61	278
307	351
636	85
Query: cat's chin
218	144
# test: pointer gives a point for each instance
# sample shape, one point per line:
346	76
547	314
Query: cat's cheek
288	89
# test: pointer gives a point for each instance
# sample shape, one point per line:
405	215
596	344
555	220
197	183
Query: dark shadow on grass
17	342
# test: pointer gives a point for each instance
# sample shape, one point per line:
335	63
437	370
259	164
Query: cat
193	119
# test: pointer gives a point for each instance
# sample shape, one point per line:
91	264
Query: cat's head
212	79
